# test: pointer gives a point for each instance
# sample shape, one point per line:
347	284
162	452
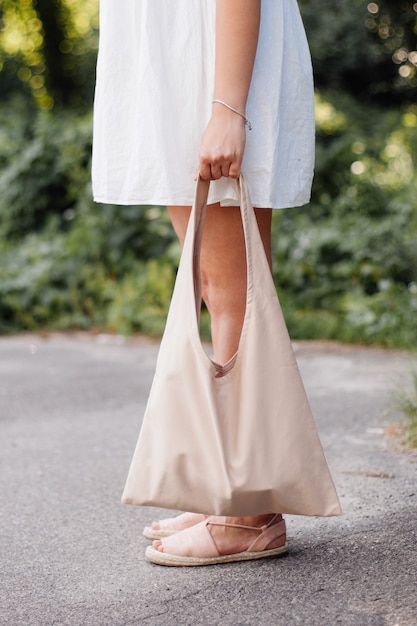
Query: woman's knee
223	295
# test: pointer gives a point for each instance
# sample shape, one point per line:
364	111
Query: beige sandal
196	546
170	526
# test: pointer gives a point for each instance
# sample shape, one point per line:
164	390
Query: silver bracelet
247	121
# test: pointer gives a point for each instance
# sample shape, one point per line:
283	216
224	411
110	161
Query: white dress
155	77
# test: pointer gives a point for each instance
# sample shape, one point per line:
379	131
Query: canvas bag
238	439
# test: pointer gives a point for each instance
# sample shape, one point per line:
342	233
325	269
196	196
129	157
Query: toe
157	545
155	526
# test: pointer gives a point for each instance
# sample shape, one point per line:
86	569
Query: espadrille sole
162	558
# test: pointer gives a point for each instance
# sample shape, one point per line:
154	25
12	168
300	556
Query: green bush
56	280
345	266
364	48
44	168
63	258
141	300
43	285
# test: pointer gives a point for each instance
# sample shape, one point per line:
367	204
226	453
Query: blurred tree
366	48
60	79
393	24
47	49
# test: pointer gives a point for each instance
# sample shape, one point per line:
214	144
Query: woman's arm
223	142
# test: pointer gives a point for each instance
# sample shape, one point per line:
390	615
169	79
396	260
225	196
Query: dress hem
225	202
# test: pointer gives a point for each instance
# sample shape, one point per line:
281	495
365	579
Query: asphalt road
71	554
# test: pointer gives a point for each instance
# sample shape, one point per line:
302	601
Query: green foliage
141	299
66	261
64	280
43	285
48	50
394	26
346	266
368	49
45	166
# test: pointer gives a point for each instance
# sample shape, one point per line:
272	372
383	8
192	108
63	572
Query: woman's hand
222	145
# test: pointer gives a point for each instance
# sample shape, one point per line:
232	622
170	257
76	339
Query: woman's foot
222	540
170	526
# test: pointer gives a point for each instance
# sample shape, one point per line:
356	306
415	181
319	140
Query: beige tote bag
238	439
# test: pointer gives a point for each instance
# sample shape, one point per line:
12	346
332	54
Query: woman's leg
223	275
223	270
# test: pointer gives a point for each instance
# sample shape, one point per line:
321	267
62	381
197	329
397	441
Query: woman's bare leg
223	270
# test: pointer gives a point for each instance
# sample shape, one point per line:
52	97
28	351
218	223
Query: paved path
71	554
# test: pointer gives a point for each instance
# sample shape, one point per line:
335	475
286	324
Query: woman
177	84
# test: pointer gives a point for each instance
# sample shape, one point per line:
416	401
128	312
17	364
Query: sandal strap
271	523
267	536
209	522
267	533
